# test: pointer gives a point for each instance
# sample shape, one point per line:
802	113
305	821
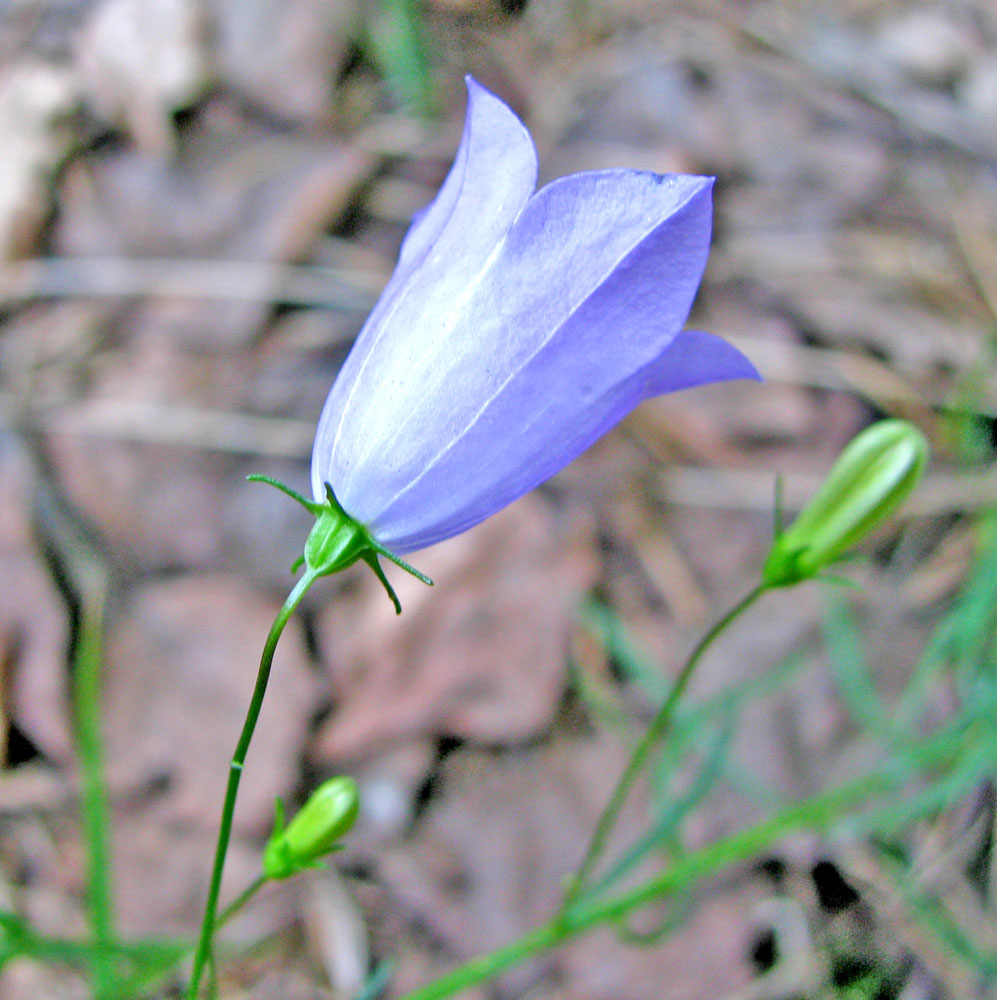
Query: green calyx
337	541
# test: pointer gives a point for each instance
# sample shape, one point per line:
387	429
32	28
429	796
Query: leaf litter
848	141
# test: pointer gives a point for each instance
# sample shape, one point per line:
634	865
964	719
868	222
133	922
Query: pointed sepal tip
336	541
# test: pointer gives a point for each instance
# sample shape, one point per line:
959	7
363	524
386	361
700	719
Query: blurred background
199	202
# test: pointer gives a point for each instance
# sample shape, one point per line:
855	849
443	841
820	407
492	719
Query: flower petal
514	332
444	252
561	339
693	358
477	202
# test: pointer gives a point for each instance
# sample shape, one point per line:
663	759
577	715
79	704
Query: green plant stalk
655	733
209	921
397	38
87	696
931	913
817	813
240	901
19	939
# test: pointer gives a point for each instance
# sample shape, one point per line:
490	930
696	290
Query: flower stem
816	813
210	921
87	671
240	901
655	732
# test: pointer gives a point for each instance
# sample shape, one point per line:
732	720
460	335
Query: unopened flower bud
324	819
871	478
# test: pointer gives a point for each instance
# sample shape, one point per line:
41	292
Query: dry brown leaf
34	96
161	874
181	662
28	979
706	956
257	42
488	857
488	860
158	506
235	193
142	60
452	664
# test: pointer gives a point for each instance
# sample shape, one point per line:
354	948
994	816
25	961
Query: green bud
324	819
871	478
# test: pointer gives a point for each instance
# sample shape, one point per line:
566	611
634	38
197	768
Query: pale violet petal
695	358
443	255
593	282
477	202
515	331
692	358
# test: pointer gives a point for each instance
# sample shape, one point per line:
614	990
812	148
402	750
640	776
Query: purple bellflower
519	326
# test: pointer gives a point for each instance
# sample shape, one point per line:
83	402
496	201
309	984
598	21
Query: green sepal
337	541
278	815
309	505
370	558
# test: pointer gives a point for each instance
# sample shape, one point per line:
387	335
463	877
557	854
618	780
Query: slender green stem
240	901
87	698
816	813
655	732
209	922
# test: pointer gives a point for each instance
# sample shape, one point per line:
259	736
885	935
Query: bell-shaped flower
518	327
